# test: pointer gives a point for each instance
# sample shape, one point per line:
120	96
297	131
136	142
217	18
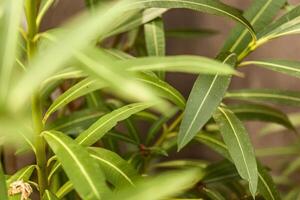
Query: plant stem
31	9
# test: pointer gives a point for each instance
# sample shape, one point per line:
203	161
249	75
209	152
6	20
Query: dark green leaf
239	146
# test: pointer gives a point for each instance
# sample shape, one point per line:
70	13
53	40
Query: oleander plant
89	101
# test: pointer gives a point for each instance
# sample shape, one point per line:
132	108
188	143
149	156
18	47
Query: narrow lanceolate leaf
291	98
266	186
23	174
213	7
81	169
161	187
3	188
11	12
108	121
285	25
117	170
239	146
80	89
76	122
163	89
291	68
213	194
259	14
49	196
254	112
186	64
155	40
206	95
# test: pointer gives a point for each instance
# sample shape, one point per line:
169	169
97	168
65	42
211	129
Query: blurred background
284	48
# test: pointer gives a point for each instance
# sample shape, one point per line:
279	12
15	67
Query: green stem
31	10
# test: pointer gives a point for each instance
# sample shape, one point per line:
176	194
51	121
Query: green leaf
66	46
108	121
182	164
11	13
76	122
155	40
80	89
3	189
285	25
290	98
167	185
186	64
274	128
117	171
162	89
266	186
49	196
64	189
239	146
213	194
190	33
206	95
213	7
259	112
291	68
259	14
23	174
81	169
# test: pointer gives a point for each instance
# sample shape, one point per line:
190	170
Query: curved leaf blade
206	95
290	98
117	171
82	88
186	64
23	174
261	113
239	146
213	7
161	187
108	121
291	68
81	169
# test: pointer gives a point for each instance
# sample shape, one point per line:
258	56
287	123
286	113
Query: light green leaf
190	33
64	189
186	64
9	34
167	185
182	164
266	186
23	174
259	14
76	122
285	25
162	89
206	95
155	40
291	68
284	97
80	89
80	168
117	171
239	146
3	188
108	121
49	196
259	112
